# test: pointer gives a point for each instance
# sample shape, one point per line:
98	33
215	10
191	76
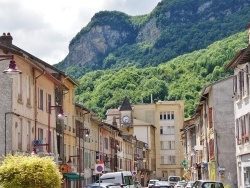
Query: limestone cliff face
149	32
95	44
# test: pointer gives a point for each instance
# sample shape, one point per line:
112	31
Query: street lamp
80	161
60	116
12	69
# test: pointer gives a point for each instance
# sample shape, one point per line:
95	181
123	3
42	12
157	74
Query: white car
208	183
151	183
189	184
180	184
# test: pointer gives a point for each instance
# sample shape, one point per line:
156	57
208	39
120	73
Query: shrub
29	172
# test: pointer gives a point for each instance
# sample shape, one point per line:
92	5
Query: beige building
166	151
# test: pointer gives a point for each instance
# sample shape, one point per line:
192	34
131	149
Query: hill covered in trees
181	78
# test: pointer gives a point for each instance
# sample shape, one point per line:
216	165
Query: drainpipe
35	96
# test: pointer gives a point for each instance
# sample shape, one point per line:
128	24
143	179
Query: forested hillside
182	78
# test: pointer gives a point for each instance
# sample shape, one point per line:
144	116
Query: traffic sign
99	168
134	173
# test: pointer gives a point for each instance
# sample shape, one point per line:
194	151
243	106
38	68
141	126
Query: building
27	102
207	136
157	126
241	95
166	151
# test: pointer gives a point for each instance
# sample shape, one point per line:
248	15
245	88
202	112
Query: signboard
134	173
99	168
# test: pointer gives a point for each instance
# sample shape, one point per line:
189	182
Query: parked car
162	184
181	184
174	179
104	185
137	184
207	184
151	183
189	184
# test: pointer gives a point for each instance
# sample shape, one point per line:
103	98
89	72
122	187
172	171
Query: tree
29	172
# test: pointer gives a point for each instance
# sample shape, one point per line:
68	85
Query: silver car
207	184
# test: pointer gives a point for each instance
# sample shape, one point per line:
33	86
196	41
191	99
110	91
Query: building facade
241	95
209	146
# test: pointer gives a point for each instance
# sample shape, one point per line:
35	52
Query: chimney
6	39
248	26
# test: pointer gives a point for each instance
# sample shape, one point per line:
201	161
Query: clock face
125	119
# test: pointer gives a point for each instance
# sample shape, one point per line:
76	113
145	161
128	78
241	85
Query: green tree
29	172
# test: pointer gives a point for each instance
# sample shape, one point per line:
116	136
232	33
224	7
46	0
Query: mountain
113	39
170	54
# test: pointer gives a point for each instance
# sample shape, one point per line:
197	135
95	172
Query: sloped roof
126	106
241	57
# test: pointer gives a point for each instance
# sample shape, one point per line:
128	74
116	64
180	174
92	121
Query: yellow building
168	118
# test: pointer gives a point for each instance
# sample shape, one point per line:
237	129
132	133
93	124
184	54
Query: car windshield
162	183
152	181
128	180
174	179
208	185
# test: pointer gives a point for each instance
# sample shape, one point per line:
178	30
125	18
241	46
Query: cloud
44	28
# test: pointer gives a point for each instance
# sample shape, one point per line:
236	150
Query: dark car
207	184
162	184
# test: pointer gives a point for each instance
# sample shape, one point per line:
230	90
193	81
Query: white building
241	89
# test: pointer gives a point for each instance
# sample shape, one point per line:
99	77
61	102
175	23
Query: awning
72	176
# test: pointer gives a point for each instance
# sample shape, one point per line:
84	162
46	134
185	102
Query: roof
43	65
241	57
113	112
126	106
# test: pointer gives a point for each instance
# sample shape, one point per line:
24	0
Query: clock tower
126	114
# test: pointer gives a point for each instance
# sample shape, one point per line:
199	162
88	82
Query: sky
44	28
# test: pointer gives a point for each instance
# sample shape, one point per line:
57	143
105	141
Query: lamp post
60	116
79	155
80	161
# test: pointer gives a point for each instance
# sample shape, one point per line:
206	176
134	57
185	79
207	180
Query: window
170	130
167	145
163	116
170	115
243	129
28	90
162	160
171	145
161	129
40	134
20	135
40	99
19	87
48	102
247	80
235	86
171	159
106	143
